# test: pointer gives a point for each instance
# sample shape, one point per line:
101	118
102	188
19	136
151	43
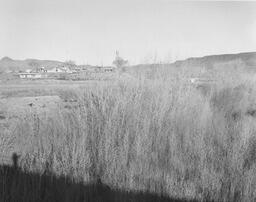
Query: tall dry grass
158	136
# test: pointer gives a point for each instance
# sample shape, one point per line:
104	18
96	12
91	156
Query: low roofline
28	73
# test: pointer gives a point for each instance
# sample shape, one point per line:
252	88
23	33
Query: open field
156	136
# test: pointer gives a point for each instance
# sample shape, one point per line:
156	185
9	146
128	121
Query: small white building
28	70
25	75
42	69
109	69
53	70
59	70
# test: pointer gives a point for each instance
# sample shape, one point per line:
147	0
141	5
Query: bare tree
119	62
70	62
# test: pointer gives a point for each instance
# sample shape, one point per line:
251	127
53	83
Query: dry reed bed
157	136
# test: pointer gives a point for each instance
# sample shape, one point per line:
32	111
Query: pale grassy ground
161	136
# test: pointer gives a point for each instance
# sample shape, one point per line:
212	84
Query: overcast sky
143	30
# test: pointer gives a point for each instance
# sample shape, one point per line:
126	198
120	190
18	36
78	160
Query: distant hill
242	62
8	64
248	59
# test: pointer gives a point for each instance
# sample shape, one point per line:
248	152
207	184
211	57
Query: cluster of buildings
43	72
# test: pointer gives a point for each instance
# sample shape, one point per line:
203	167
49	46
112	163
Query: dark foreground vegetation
19	185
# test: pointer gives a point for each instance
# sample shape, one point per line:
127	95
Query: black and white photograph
127	101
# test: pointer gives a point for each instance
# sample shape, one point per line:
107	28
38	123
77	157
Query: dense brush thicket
159	136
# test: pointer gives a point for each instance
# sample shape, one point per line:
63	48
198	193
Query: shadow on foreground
17	185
